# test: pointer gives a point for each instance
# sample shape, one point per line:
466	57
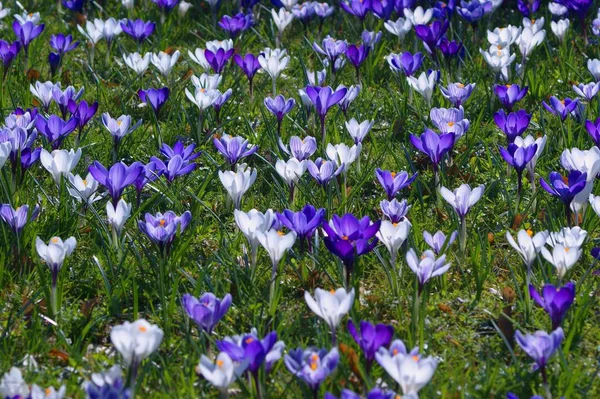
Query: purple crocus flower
117	178
312	365
152	171
323	98
438	241
218	59
393	182
357	55
358	8
54	61
17	218
450	48
249	65
528	7
426	266
450	120
540	346
27	32
63	44
234	148
512	124
82	112
433	145
174	167
304	12
207	310
236	24
400	5
370	338
518	157
162	228
322	170
8	53
579	7
156	98
139	30
395	210
351	94
349	237
370	39
301	149
587	91
304	222
474	10
561	108
511	395
166	5
554	300
220	102
74	5
509	95
186	153
593	129
332	49
279	106
431	35
406	62
566	191
55	129
249	347
382	9
457	93
62	98
323	10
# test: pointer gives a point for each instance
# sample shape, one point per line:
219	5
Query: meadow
275	199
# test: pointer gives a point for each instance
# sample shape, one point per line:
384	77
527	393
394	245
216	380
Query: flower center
249	340
314	361
562	102
508	86
202	90
415	358
393	174
450	123
280	233
162	222
567	249
345	238
142	329
395	352
529	232
48	391
54	239
499	53
460	85
119	123
219	363
84	182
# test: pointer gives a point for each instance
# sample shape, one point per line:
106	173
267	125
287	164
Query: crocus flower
357	55
331	306
439	241
17	218
118	215
323	10
562	257
393	235
187	153
351	94
528	8
411	371
207	310
424	84
457	93
156	98
371	337
427	266
323	98
279	106
55	129
282	19
202	98
83	190
556	301
82	112
518	157
463	198
207	82
399	28
433	145
139	30
304	222
431	35
8	52
136	341
358	131
474	10
107	385
586	161
119	127
393	182
358	8
322	170
60	162
74	5
220	102
450	120
528	245
234	148
405	62
565	190
62	97
253	350
162	227
395	210
26	32
222	372
540	346
291	171
498	61
250	224
117	178
276	243
164	62
166	5
512	124
218	59
587	91
304	12
236	24
12	385
173	167
54	255
418	16
562	108
137	63
312	365
450	48
273	62
560	28
348	237
301	149
370	39
63	44
249	65
238	182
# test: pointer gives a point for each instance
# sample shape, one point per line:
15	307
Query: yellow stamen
84	182
313	365
143	329
162	222
345	238
450	123
499	53
567	249
249	340
219	363
48	391
54	239
395	352
415	358
280	233
395	224
393	174
529	232
508	86
332	291
119	123
460	85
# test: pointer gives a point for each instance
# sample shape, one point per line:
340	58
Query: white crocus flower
331	306
43	91
117	216
557	9
418	16
136	341
411	372
594	67
128	4
202	98
503	37
3	11
94	31
164	62
27	16
199	58
291	171
252	223
111	29
238	182
289	4
562	257
137	63
358	131
273	62
206	81
529	40
183	8
535	24
341	154
528	245
5	149
529	141
282	19
393	235
276	243
83	190
55	253
215	45
222	372
399	28
498	61
60	162
560	28
595	203
463	198
568	237
586	161
424	84
12	385
48	393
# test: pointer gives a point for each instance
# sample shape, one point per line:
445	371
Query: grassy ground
103	287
